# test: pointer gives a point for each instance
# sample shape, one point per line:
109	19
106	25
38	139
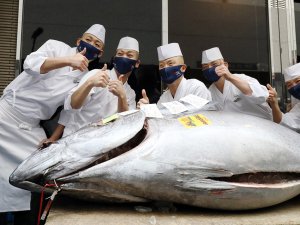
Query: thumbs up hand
104	67
272	99
144	100
99	79
83	51
79	61
117	88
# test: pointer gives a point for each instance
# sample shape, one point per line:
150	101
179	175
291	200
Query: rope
42	217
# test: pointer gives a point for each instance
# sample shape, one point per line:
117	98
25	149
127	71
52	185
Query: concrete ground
73	212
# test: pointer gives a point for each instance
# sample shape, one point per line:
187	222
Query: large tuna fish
210	159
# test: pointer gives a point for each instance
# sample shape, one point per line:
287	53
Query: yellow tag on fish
194	121
110	118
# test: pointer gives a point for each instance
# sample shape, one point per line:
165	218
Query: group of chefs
57	74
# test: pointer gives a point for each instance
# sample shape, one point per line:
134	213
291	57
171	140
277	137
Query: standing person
101	93
234	92
172	69
49	74
290	119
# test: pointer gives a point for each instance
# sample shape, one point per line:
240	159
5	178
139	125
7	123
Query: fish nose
13	179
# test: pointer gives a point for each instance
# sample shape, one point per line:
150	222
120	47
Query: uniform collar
113	74
180	88
226	91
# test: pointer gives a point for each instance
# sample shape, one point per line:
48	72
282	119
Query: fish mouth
48	176
120	150
261	179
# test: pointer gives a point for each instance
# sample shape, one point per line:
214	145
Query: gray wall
66	20
297	23
238	28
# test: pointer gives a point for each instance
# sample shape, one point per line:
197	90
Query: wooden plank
8	76
8	3
8	26
7	42
8	38
7	20
4	59
7	50
7	71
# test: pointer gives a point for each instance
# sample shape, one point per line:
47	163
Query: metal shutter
8	41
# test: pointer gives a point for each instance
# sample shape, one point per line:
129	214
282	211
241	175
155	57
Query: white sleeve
68	99
259	92
67	103
292	118
64	117
200	90
50	48
86	77
131	100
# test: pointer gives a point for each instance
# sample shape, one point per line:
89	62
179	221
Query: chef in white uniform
49	74
234	92
290	119
171	69
99	96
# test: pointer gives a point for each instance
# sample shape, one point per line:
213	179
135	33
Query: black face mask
124	65
170	74
295	91
91	51
210	74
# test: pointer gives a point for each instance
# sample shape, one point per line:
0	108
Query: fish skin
181	165
76	151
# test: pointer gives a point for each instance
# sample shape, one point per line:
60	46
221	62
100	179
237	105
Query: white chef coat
18	139
186	87
29	98
232	99
100	103
36	95
291	119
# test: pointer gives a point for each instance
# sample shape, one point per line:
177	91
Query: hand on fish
45	143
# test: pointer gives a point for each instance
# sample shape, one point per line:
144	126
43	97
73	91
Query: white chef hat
128	43
211	54
292	72
168	51
98	31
